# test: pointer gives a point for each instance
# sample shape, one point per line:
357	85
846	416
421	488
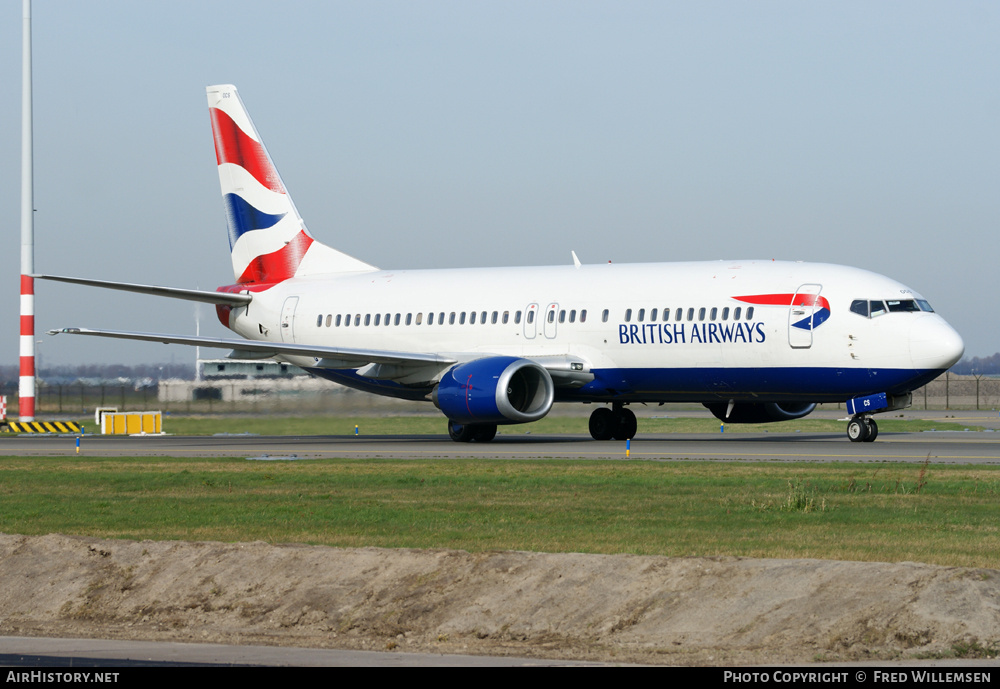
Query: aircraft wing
329	357
566	371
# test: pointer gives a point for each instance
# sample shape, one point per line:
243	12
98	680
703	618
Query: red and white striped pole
26	388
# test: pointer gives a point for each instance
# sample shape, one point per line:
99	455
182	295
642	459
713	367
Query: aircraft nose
934	344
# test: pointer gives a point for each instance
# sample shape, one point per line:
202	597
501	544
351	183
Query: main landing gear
862	429
618	423
471	432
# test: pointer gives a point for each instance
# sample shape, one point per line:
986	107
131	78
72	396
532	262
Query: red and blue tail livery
268	240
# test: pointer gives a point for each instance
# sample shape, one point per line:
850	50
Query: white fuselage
651	332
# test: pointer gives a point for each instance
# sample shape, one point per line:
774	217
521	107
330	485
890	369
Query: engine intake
499	389
760	412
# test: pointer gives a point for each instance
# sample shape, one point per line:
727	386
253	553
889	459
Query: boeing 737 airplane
753	341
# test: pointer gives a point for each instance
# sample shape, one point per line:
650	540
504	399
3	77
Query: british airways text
679	333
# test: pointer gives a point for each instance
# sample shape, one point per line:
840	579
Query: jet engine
760	412
499	390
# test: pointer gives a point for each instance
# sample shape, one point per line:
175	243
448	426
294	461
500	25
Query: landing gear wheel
602	424
627	425
872	430
460	433
858	430
468	432
485	432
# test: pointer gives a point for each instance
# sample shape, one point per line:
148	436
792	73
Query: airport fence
302	396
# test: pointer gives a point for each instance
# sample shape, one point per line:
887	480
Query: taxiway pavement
950	447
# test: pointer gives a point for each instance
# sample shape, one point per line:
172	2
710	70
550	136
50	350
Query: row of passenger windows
432	318
877	307
712	314
503	318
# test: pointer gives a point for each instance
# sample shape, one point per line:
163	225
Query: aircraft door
551	318
288	319
530	321
801	316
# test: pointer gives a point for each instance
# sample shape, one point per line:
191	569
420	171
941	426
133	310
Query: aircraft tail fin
268	239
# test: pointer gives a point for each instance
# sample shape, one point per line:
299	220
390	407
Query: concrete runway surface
951	447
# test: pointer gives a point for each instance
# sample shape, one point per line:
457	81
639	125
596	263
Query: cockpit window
902	305
873	308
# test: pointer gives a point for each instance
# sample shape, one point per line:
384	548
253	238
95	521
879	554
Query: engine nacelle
499	389
760	412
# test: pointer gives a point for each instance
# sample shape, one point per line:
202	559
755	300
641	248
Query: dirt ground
682	611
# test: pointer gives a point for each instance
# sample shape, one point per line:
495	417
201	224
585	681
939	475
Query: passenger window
736	313
642	315
493	318
482	318
409	318
678	314
472	318
690	314
725	314
395	320
517	317
430	318
701	313
552	316
378	319
583	316
368	319
461	318
628	315
652	315
357	319
604	316
506	317
713	314
531	317
749	313
347	321
319	320
337	323
562	316
572	316
420	318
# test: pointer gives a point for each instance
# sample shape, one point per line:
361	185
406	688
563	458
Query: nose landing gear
862	429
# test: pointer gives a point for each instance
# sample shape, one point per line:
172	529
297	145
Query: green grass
885	512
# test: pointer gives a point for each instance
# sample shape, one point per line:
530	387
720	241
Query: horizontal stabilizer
233	299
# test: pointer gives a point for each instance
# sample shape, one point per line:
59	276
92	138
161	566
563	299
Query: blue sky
445	134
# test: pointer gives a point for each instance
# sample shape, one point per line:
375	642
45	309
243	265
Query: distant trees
989	365
103	372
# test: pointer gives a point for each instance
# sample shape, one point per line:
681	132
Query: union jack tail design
268	240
